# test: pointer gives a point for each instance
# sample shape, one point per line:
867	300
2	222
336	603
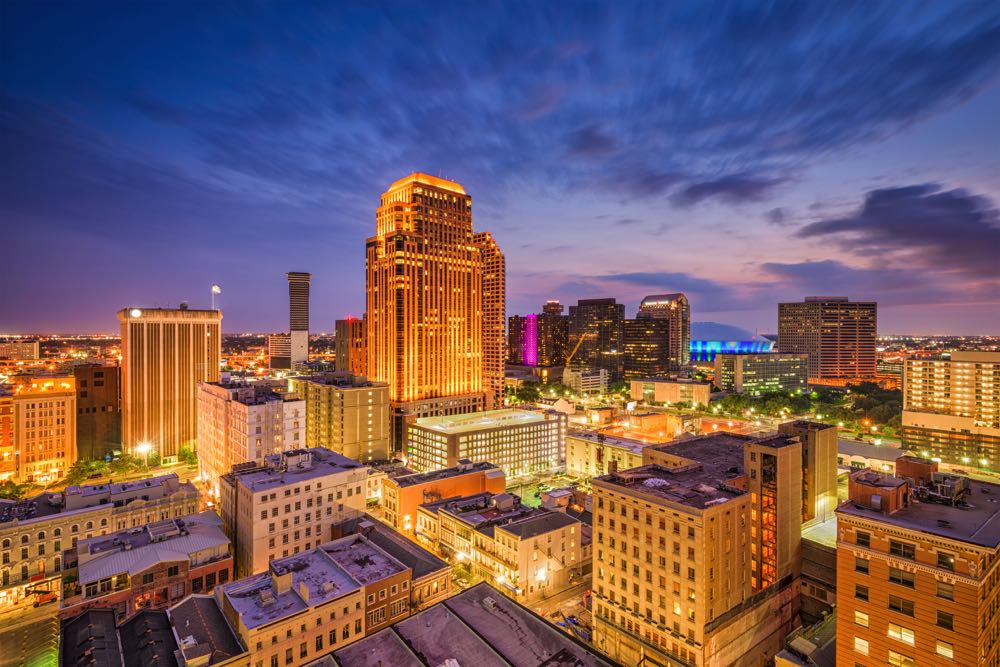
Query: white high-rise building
241	421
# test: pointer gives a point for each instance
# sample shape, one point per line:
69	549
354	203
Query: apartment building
35	531
299	609
918	571
14	349
528	552
520	442
241	421
403	495
288	503
148	567
44	425
951	408
347	414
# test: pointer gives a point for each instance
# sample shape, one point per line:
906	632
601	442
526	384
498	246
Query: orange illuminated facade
41	413
435	301
165	354
918	571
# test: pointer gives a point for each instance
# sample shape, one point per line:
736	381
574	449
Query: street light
144	448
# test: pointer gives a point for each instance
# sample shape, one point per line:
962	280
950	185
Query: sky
744	154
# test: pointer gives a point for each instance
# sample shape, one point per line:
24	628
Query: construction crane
578	344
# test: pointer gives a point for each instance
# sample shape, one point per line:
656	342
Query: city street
565	604
29	636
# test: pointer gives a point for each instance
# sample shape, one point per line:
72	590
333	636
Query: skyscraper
435	302
596	324
837	334
538	339
647	351
494	308
165	353
675	309
98	409
298	316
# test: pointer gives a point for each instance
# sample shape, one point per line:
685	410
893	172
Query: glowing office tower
298	315
429	313
165	354
837	334
676	309
494	296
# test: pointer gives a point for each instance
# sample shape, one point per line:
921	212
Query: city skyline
609	160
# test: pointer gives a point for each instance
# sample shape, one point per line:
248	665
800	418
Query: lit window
945	650
902	634
861	618
861	645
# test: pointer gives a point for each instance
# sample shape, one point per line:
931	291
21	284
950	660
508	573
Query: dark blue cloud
932	228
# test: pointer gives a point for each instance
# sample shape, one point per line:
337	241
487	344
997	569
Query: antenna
215	290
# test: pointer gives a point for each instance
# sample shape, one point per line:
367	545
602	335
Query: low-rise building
19	349
203	636
917	566
378	473
148	567
758	374
587	380
288	503
529	552
858	455
591	453
34	532
241	421
402	496
347	414
520	442
479	626
665	390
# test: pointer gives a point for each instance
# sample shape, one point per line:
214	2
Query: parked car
45	598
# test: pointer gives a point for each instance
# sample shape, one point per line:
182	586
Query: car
45	598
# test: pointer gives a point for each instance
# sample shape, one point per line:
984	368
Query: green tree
11	491
187	455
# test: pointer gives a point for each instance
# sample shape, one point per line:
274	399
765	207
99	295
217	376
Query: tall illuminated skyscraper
165	354
838	335
435	302
676	309
298	316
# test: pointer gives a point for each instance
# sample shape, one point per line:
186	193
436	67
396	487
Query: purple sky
741	155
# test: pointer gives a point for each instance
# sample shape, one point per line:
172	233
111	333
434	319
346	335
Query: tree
11	491
187	455
80	471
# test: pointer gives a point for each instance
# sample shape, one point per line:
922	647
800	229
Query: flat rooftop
543	521
292	467
480	421
721	454
692	486
258	602
479	626
868	450
362	560
421	561
635	446
444	473
976	520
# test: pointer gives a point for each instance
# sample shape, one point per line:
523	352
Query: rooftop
147	639
364	561
480	421
341	379
542	522
315	579
463	468
291	467
635	446
79	497
91	639
136	550
721	454
201	629
479	626
691	485
869	451
975	520
407	552
427	179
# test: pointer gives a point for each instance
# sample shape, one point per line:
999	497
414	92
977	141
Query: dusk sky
743	156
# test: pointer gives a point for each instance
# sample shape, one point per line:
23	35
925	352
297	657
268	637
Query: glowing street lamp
144	448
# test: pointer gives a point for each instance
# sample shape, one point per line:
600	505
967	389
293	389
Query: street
29	636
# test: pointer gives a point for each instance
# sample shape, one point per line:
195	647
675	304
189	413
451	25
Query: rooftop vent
266	596
489	603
